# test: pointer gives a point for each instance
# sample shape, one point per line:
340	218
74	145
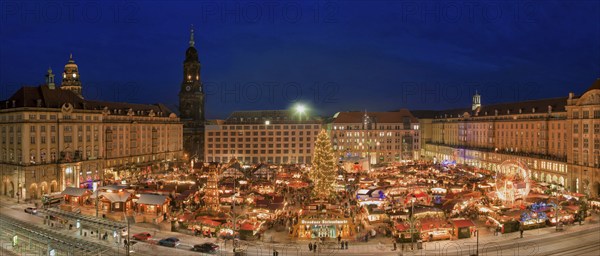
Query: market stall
318	224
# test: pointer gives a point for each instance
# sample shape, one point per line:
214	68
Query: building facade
279	136
380	137
52	138
191	103
558	139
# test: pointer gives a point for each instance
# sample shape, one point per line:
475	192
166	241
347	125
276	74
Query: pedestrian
315	247
521	232
342	245
310	246
346	244
339	238
395	247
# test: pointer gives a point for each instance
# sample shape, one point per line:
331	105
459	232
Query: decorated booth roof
152	199
70	191
462	223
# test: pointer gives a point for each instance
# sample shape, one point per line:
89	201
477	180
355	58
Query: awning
463	223
70	191
152	199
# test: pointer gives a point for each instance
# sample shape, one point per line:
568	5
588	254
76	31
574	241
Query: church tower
50	79
191	103
476	101
71	77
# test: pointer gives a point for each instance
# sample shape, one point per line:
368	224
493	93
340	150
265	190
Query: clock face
188	88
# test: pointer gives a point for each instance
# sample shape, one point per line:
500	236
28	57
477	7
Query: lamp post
556	211
412	223
477	247
127	241
300	109
233	212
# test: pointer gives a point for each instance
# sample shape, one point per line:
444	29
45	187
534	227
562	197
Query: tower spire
192	43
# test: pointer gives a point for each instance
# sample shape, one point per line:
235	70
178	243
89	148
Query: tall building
71	77
191	103
557	138
277	136
51	138
380	137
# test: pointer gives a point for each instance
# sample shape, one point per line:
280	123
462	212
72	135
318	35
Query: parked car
206	248
142	236
31	210
170	242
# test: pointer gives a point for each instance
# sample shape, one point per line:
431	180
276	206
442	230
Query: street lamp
412	222
300	109
477	248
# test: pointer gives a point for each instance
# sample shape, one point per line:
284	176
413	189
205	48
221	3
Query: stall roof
70	191
115	197
152	199
463	223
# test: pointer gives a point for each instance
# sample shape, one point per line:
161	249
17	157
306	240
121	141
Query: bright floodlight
300	109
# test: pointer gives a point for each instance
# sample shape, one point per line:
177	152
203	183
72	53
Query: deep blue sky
332	55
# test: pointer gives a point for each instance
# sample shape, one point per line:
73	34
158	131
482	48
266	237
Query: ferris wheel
512	181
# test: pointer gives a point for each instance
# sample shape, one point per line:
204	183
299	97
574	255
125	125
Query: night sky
332	55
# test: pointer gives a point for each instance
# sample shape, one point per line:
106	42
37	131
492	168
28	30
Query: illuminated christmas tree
323	169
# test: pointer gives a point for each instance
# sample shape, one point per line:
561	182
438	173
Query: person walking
395	247
346	244
342	245
310	246
521	230
339	237
315	247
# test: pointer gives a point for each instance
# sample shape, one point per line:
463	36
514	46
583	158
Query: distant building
52	138
381	137
191	103
277	136
557	138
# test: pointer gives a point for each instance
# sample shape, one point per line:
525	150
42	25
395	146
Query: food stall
463	228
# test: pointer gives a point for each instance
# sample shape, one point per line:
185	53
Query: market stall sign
323	222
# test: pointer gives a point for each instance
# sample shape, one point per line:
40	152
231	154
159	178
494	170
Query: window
585	128
575	128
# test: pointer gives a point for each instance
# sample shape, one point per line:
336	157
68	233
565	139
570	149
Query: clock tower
191	103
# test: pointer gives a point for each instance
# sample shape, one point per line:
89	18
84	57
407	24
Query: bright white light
267	122
300	109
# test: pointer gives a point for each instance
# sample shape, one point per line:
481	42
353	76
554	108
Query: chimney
14	103
571	95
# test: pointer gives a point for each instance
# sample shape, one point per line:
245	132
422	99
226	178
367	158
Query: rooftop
376	117
272	116
44	97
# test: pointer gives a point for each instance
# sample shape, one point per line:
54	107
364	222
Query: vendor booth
463	228
318	224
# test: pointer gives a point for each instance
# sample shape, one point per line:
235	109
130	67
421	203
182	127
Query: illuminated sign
324	222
